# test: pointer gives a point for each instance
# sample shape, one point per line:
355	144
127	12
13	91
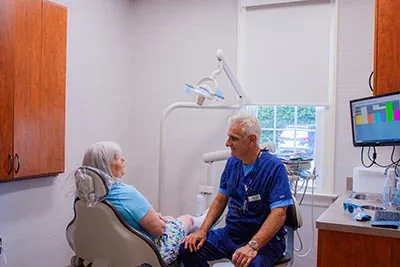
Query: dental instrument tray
296	164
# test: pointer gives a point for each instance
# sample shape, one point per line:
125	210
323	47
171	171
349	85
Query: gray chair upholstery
98	234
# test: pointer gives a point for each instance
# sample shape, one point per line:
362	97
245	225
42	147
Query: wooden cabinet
349	249
387	47
32	88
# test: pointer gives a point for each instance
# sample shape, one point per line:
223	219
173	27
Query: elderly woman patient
167	232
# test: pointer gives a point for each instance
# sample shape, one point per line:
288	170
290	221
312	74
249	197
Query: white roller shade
286	53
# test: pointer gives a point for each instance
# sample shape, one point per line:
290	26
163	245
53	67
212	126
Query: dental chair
99	235
293	221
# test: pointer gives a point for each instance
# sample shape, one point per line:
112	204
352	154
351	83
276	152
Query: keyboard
381	215
386	224
386	219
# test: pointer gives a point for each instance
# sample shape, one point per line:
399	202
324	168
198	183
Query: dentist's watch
253	244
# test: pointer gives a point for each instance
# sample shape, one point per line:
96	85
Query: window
293	130
288	71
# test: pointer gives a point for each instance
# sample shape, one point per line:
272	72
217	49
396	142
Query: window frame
318	161
325	139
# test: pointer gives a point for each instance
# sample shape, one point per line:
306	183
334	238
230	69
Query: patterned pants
169	243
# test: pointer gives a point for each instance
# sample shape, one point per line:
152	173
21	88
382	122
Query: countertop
336	219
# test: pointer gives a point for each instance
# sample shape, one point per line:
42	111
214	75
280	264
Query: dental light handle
231	77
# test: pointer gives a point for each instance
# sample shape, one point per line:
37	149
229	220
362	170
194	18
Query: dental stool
98	234
292	223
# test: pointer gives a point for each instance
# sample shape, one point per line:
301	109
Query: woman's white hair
249	123
100	156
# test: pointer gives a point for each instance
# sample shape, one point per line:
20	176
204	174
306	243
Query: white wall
127	61
36	212
355	63
173	43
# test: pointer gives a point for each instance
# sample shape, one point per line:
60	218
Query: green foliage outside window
285	116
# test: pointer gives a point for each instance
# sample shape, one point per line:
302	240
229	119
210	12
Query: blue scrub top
267	187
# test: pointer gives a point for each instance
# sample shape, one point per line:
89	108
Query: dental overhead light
207	88
204	91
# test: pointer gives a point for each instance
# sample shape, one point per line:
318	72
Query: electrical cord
312	224
304	192
376	162
395	163
374	157
300	241
372	160
302	185
392	156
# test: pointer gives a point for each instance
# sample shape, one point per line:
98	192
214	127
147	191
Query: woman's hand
165	218
195	240
153	223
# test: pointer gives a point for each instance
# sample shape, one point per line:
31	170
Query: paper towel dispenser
369	180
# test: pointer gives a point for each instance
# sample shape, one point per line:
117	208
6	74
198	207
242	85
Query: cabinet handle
18	163
10	163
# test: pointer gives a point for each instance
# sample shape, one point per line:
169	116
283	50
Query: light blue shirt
247	168
132	205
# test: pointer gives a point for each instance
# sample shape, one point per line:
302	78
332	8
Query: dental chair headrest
92	184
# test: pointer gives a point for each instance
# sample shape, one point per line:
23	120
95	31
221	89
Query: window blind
286	53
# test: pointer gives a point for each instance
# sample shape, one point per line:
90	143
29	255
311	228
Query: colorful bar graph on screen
397	115
382	112
383	116
377	117
359	119
371	118
389	111
364	114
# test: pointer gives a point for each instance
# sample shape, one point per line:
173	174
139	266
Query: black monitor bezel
374	143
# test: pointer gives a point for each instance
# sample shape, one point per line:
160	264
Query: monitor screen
375	120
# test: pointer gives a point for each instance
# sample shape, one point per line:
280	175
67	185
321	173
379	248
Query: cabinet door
350	249
387	47
52	127
6	89
27	84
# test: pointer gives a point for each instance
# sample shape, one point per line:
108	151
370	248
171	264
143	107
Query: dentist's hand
195	240
243	256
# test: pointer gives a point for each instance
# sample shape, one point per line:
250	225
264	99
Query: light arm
235	83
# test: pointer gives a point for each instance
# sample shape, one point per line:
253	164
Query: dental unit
206	88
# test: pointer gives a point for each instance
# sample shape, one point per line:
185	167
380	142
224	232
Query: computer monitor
375	120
